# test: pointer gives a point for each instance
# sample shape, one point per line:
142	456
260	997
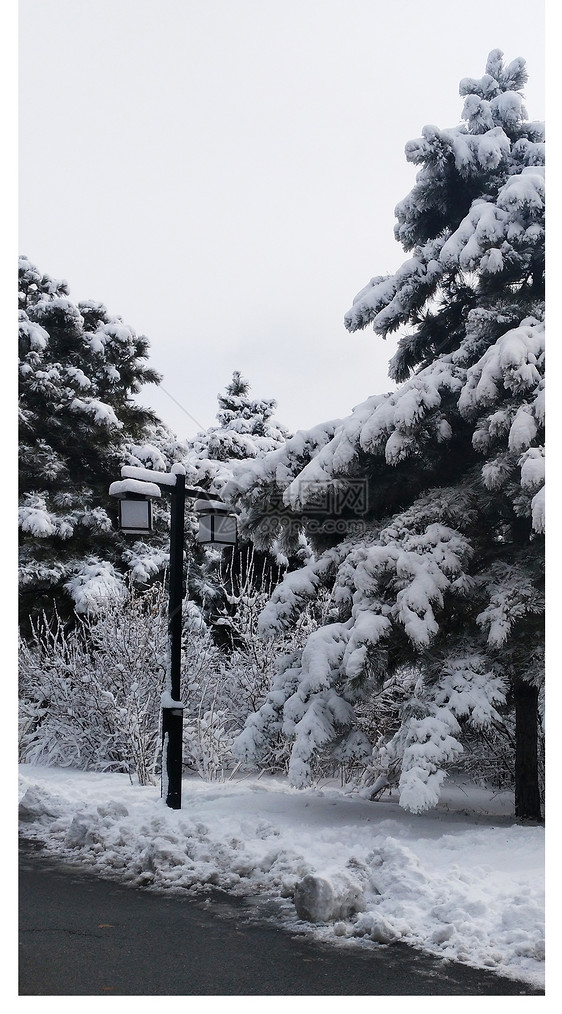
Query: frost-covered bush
222	687
90	696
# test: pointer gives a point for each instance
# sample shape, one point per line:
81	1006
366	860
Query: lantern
217	523
135	505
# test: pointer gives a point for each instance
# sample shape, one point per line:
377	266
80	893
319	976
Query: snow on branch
101	413
293	592
493	234
468	689
515	362
497	78
94	585
430	743
34	517
513	595
386	302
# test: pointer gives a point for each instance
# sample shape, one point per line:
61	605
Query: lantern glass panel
225	529
135	516
217	529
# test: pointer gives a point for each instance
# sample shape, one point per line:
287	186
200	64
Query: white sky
223	174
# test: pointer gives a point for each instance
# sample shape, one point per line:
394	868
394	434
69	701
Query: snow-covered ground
462	881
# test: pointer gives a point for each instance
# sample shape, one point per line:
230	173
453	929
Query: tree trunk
527	796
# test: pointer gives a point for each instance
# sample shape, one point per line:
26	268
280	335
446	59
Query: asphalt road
83	936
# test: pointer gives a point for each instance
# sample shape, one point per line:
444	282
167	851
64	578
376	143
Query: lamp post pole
137	486
172	710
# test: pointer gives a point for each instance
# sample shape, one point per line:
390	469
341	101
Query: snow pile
462	882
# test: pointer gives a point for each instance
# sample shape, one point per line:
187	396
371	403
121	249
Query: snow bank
461	882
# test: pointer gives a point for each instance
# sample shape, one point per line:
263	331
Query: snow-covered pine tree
246	430
444	573
79	369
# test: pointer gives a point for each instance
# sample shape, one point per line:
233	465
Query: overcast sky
223	174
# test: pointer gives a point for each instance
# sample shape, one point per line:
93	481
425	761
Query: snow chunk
325	898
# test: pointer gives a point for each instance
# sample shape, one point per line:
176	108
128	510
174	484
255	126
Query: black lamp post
217	525
172	709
